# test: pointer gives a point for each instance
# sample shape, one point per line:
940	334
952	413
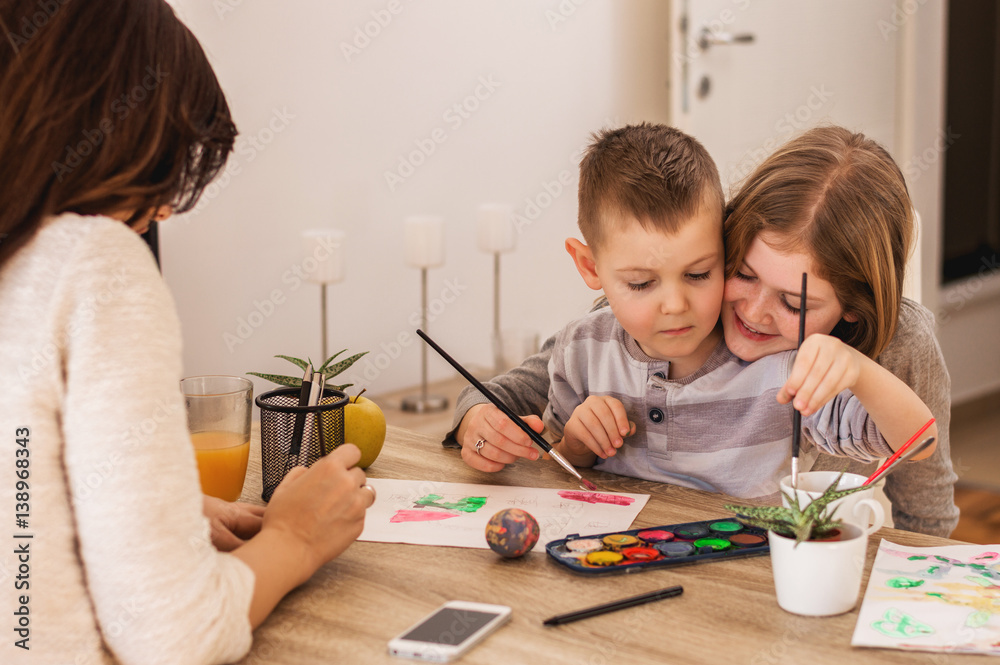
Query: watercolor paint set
655	547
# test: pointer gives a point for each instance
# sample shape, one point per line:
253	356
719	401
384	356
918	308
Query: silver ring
370	489
479	446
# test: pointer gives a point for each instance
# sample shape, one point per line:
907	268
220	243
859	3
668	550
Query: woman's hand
322	508
231	523
313	516
503	442
824	367
597	427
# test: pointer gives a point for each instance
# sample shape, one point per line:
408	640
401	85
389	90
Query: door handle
707	38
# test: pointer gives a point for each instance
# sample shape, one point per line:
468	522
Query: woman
113	118
834	205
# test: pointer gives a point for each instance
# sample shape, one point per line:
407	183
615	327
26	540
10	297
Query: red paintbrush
899	452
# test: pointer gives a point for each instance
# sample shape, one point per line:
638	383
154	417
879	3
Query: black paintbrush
796	416
535	436
613	606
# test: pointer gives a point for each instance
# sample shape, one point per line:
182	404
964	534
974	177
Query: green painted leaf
978	619
293	381
342	365
297	361
981	581
903	582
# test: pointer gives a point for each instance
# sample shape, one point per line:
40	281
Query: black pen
669	592
300	418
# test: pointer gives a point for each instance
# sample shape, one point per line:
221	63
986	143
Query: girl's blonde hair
839	196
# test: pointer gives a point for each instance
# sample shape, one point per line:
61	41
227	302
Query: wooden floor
980	521
975	454
974	443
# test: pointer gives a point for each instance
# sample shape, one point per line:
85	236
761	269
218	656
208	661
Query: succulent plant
326	369
812	522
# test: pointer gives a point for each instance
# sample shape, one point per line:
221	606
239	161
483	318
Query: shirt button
659	375
655	415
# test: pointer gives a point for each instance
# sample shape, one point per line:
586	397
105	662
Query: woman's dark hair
105	106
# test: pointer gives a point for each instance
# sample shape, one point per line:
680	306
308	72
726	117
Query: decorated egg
512	532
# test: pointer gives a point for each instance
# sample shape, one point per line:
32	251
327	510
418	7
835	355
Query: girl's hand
824	366
231	523
597	426
503	442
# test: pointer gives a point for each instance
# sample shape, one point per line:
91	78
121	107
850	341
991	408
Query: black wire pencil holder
323	432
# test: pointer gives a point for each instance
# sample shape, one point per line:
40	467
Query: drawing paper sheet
932	599
424	512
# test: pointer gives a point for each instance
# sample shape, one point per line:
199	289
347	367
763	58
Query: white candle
424	239
496	231
322	255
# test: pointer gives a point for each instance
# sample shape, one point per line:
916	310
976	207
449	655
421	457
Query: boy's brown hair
106	106
654	173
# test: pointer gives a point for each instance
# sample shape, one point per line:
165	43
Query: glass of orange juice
218	410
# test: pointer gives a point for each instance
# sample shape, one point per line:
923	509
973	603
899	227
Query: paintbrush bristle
588	485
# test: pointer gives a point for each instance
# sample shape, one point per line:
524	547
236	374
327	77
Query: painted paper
424	512
943	599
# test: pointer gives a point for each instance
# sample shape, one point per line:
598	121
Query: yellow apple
364	426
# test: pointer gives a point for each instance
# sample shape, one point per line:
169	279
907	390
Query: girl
113	118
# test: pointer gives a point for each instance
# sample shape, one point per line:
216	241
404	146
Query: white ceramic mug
861	509
818	578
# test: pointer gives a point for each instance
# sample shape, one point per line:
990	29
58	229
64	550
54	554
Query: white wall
563	68
319	130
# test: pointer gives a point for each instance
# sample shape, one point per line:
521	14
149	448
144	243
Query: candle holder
424	239
323	247
496	236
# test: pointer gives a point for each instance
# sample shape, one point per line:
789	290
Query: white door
747	76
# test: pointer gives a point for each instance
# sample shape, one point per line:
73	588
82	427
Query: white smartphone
449	631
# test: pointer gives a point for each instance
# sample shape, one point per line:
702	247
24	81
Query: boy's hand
597	426
824	366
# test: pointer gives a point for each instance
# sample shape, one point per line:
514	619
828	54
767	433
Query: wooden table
351	607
